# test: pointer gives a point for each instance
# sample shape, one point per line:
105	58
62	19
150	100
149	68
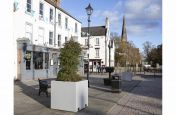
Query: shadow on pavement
32	92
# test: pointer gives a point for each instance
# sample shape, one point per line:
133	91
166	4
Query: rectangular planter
69	96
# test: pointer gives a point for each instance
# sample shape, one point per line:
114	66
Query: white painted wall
7	57
20	18
92	53
102	46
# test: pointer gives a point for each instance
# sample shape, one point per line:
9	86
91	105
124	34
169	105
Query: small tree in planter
69	92
69	60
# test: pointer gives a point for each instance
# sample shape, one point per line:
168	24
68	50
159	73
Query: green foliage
147	46
69	60
109	69
126	52
155	56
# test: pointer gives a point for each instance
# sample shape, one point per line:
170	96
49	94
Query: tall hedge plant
69	61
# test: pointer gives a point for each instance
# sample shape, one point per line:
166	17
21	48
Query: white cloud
153	11
142	15
113	16
143	9
97	13
136	6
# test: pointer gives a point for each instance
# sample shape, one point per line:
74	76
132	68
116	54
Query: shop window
38	60
46	60
28	60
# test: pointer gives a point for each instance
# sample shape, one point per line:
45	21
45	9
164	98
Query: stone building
41	27
98	51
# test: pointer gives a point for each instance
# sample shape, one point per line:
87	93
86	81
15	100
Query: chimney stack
58	3
107	22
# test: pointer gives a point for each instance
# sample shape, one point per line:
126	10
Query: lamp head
89	9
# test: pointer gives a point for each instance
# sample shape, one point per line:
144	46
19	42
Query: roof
94	31
53	4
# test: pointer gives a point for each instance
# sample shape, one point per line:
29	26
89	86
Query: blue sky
143	17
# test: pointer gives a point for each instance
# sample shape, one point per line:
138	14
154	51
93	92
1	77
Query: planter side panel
82	94
63	95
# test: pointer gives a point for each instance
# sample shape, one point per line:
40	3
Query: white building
41	28
98	42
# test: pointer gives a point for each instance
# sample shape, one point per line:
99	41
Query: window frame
59	40
76	27
46	60
28	61
30	4
97	41
59	19
27	32
38	65
41	36
51	17
66	38
66	22
51	38
41	16
97	54
86	42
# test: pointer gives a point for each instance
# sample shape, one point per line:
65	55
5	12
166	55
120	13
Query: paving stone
141	96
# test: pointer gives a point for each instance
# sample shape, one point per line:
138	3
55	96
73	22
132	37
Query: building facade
41	27
98	50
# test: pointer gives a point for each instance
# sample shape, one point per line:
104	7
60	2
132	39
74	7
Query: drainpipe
55	28
32	61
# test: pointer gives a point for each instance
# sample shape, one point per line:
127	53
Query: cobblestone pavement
141	96
145	99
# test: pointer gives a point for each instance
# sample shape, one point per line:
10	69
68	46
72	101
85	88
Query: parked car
146	67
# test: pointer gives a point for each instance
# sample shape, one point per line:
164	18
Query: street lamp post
110	46
89	11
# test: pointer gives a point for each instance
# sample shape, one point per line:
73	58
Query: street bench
43	86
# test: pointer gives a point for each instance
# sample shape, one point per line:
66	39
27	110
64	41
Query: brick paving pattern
141	96
145	99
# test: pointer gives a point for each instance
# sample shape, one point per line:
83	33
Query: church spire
124	33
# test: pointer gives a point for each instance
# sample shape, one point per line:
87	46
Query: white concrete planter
69	96
127	76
